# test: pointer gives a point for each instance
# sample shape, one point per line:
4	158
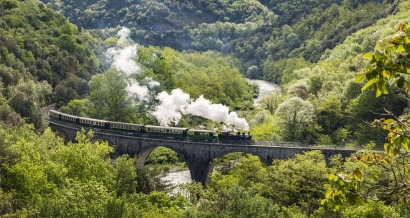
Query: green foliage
296	115
256	32
235	202
162	156
209	74
324	140
248	172
126	176
388	62
109	98
43	177
297	181
267	130
40	46
386	66
370	210
8	4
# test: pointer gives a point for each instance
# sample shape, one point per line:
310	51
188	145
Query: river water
265	88
176	178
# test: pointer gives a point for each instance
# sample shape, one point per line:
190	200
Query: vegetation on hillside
258	33
341	108
42	56
43	177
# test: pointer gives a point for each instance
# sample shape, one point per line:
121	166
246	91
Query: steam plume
173	106
123	58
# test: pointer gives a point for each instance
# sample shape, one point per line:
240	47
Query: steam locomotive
151	131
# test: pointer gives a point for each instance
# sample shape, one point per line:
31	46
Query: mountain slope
40	50
253	31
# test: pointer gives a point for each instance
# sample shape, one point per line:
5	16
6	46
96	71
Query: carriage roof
201	130
128	124
92	119
165	127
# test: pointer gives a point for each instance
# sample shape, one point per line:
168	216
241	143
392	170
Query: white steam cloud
172	107
178	103
123	58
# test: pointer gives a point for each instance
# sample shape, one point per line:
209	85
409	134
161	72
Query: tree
297	181
296	116
299	89
389	64
108	96
271	101
330	114
126	176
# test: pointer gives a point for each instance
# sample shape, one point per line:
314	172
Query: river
264	88
176	178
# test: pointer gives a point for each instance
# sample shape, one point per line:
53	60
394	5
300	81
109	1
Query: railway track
45	110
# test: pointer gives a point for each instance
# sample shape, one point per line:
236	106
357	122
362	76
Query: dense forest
258	33
342	67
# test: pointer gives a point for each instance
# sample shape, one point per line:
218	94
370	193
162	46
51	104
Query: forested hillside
42	55
259	33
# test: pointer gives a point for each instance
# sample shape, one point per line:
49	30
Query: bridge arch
143	155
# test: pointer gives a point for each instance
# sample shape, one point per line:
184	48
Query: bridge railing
303	144
282	144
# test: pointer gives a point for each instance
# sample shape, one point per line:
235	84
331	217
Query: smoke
124	34
173	106
216	112
142	92
123	58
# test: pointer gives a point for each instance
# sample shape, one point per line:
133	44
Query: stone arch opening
178	169
226	161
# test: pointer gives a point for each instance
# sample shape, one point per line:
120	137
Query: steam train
161	132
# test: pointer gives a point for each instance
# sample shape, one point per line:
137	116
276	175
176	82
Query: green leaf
332	176
360	77
381	88
368	55
369	83
379	54
357	174
401	49
405	145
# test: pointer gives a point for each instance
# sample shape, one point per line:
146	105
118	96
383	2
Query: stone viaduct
198	155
